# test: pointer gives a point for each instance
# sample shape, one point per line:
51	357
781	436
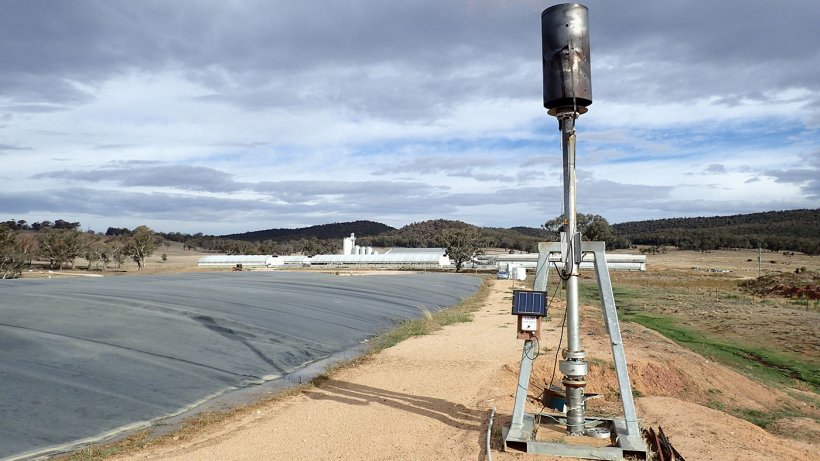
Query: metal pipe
567	124
574	367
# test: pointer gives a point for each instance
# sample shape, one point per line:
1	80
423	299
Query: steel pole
567	125
574	366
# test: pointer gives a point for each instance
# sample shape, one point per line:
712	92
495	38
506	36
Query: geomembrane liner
82	358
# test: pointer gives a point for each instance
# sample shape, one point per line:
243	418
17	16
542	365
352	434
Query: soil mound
802	285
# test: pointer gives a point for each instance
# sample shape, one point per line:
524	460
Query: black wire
563	322
560	340
558	271
536	349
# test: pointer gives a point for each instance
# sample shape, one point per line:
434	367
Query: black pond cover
81	358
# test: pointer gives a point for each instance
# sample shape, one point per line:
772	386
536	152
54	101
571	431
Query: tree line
62	245
61	242
319	232
793	230
432	234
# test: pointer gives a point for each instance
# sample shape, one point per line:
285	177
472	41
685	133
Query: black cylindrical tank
565	53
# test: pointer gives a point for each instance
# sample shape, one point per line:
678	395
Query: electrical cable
561	338
560	341
554	365
536	348
489	431
560	275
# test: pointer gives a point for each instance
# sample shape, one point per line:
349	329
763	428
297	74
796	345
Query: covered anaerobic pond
84	358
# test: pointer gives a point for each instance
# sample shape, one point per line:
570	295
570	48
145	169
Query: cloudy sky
218	117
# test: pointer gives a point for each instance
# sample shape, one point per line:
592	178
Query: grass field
773	339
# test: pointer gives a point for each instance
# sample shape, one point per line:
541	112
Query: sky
222	117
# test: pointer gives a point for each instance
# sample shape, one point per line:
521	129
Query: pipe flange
574	382
573	355
567	111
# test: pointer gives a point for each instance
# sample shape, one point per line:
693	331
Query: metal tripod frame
625	432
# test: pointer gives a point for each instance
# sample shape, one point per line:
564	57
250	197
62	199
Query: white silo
357	250
368	250
347	244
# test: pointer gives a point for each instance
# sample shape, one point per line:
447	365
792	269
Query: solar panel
529	303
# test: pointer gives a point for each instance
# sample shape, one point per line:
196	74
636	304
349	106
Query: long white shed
409	260
233	260
615	261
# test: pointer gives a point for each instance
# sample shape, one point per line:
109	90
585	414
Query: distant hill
794	230
428	234
321	232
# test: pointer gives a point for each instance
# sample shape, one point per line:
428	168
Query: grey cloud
795	175
606	198
537	160
453	165
359	192
715	168
808	176
463	165
672	50
169	206
508	196
233	47
119	203
402	60
113	146
35	108
12	147
131	162
530	175
603	195
485	177
204	179
808	179
183	177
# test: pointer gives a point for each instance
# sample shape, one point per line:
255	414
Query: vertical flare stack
567	93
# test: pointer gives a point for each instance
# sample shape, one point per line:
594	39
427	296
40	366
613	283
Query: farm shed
233	260
288	261
615	261
427	260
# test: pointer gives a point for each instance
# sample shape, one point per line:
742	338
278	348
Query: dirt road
429	398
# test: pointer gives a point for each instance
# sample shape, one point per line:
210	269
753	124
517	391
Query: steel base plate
522	439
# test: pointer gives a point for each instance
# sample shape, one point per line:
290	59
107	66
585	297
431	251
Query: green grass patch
769	366
764	419
715	405
589	294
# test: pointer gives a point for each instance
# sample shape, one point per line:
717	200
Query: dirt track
429	398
